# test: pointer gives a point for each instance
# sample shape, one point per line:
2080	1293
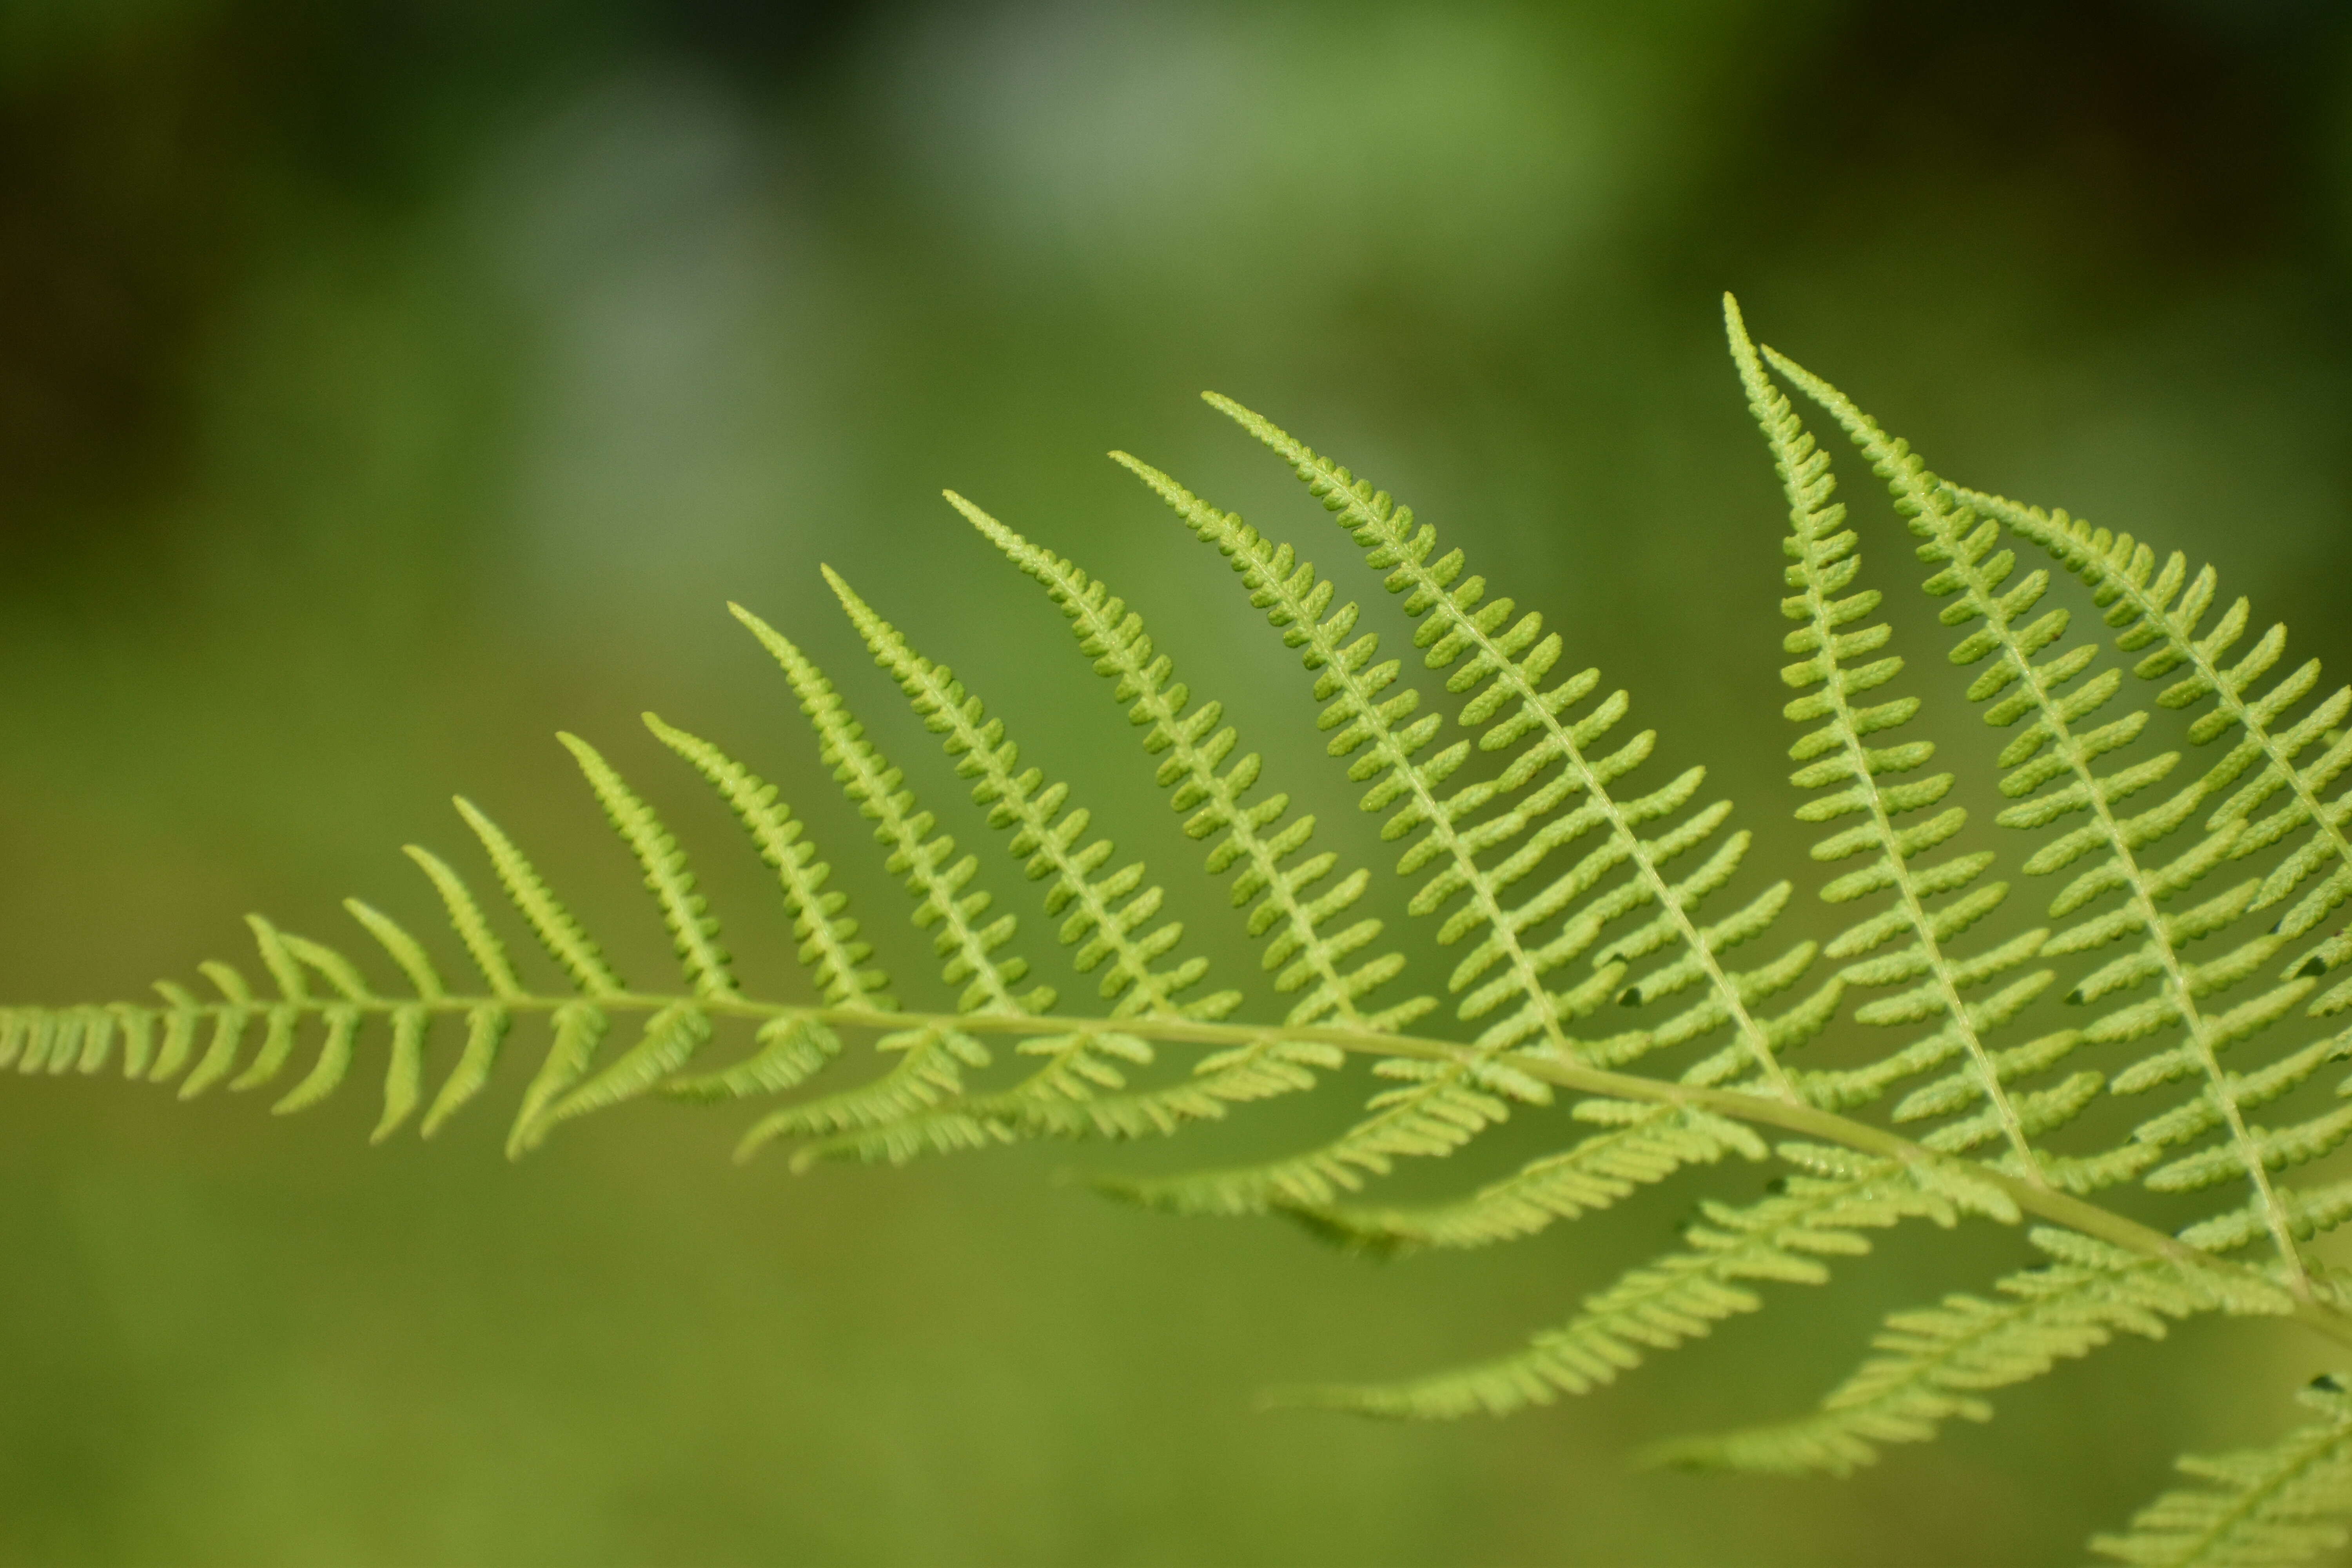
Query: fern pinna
2160	935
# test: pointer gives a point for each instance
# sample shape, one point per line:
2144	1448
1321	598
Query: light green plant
1607	982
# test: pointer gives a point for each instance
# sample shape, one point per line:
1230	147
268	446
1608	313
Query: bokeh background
385	384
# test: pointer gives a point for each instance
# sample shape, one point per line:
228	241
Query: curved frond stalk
1507	664
1255	836
2164	609
2263	1508
1938	1363
2051	751
1101	926
1666	1303
1835	668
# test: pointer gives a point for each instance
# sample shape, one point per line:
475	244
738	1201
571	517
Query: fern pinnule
230	1019
487	1024
280	1019
471	924
1909	943
2264	1508
486	1033
403	949
1838	758
1508	662
694	932
938	883
1080	1067
829	945
578	1029
553	924
183	1014
922	1106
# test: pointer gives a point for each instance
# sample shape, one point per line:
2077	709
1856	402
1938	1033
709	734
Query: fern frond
471	924
942	885
1101	927
693	931
557	931
1566	883
1255	836
930	1068
2263	1508
1508	662
1077	1063
829	942
1678	1298
1647	1145
1444	1105
2052	776
1938	1363
1908	941
2164	609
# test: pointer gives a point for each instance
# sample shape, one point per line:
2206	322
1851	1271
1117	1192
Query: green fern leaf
1911	938
1508	662
1593	991
1676	1299
1938	1363
1101	926
2264	1508
2052	778
2164	610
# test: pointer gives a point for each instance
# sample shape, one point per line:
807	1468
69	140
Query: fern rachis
1620	867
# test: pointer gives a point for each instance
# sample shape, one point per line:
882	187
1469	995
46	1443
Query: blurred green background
384	384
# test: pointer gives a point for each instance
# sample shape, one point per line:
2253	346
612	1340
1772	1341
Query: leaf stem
1762	1109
